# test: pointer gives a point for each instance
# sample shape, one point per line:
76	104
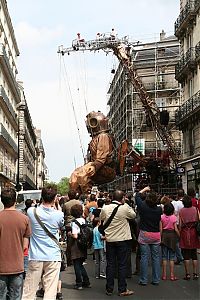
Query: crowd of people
161	230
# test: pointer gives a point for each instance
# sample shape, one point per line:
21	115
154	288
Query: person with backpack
78	250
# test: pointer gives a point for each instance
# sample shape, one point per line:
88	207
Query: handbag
102	227
52	236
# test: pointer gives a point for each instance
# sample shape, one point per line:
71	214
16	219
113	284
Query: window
191	87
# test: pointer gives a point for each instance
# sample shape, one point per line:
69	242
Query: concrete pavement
180	289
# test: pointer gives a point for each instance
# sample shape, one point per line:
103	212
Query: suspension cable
73	108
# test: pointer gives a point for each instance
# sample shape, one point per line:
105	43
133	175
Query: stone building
18	141
187	30
9	99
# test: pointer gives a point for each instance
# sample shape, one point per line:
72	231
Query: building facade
40	166
9	99
18	141
187	30
155	64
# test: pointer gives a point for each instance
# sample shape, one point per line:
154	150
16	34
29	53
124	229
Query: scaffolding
155	65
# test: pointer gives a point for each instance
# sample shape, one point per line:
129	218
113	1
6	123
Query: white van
22	196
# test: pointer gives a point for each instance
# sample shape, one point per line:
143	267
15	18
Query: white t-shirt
75	227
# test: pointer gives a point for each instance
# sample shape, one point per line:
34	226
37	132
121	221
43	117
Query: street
180	289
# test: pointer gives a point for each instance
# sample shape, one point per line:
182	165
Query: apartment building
155	64
26	175
18	141
9	99
187	30
40	166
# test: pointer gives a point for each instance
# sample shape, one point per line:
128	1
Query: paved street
169	290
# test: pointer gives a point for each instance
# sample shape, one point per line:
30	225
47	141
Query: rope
73	108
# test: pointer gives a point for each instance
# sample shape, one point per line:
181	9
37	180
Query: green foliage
51	184
63	186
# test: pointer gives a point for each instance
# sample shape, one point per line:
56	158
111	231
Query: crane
121	47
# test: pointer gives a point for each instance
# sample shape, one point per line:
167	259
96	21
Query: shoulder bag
52	236
102	227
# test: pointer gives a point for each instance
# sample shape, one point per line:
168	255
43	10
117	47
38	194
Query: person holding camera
149	237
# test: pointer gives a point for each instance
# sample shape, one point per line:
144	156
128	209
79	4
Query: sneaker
103	276
40	293
87	286
97	277
126	293
59	296
142	283
77	287
109	293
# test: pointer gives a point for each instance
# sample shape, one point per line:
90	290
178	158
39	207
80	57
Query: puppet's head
96	123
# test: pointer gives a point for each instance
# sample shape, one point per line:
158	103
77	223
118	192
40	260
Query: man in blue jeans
14	233
118	237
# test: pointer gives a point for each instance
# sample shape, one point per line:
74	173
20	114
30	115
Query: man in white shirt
178	204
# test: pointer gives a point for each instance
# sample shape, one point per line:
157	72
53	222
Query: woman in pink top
170	234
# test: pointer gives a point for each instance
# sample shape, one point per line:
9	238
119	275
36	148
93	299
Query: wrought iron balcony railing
197	51
7	102
188	62
4	133
4	57
190	107
186	16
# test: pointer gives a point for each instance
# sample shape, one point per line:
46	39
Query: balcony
4	60
160	86
186	17
6	138
189	109
197	52
7	103
187	64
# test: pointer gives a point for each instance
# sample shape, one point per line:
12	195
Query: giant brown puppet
100	167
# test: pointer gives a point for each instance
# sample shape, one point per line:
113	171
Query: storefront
193	176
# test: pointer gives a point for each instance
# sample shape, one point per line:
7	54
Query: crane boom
121	49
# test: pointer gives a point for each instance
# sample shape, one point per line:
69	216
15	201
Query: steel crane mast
122	50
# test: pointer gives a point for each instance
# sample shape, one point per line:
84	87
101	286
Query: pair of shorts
168	253
189	254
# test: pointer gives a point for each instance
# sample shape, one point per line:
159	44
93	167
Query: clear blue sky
40	27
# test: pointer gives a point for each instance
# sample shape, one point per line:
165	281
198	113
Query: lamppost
20	137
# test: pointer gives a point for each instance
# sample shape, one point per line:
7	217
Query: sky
61	90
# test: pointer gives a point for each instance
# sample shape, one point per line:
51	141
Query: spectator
149	235
96	212
90	206
98	245
118	237
68	218
14	233
178	204
28	204
192	194
189	241
44	253
78	257
170	234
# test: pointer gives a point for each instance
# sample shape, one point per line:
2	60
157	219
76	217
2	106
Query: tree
63	186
